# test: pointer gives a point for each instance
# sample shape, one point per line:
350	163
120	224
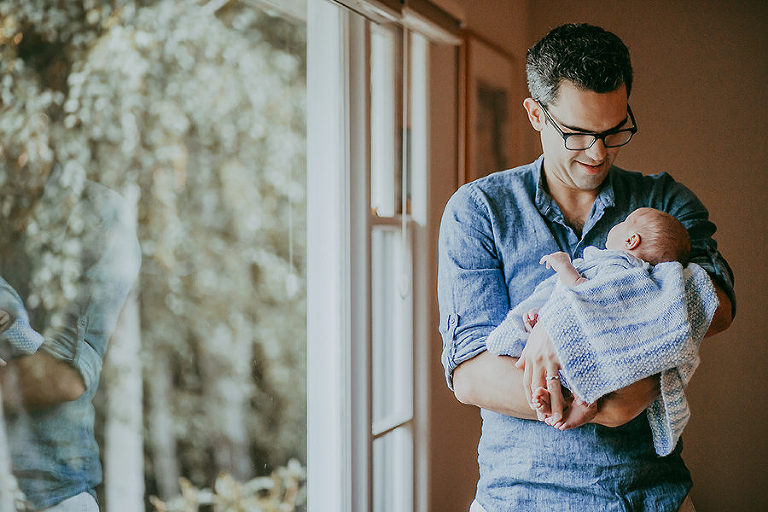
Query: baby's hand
556	260
530	318
561	263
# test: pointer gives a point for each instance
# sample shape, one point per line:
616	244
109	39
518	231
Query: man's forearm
492	382
40	381
624	405
723	315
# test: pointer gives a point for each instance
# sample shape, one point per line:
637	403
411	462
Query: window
194	113
392	272
273	324
398	218
367	164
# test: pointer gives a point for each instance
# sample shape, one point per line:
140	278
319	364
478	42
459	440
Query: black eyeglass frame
632	130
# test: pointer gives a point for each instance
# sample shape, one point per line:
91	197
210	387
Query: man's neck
574	203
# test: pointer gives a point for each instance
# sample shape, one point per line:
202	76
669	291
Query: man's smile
592	168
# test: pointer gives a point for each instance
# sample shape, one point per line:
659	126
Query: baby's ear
632	241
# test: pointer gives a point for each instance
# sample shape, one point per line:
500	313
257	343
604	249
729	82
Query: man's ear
632	241
535	115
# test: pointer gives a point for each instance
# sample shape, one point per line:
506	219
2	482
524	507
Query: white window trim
328	247
339	417
338	275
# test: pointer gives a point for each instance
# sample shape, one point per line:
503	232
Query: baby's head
651	235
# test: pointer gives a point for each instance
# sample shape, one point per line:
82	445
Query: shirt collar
543	199
606	197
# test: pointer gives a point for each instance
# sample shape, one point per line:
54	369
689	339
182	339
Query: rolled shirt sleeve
112	258
472	291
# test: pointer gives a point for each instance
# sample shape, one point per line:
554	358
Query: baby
17	337
647	234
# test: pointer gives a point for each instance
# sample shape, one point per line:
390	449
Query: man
494	232
55	345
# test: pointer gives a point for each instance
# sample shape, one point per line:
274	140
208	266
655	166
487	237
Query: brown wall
699	98
454	428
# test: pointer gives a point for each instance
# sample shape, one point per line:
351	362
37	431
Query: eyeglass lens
579	141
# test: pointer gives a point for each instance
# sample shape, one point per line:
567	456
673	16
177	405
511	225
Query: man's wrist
494	383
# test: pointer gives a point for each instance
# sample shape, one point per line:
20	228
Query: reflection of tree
203	111
8	487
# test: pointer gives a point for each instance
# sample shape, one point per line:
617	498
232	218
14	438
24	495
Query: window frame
337	456
340	222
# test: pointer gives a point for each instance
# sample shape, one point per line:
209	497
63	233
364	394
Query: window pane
418	143
393	472
179	125
392	355
385	159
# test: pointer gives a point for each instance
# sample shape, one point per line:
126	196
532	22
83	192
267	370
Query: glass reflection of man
63	289
494	232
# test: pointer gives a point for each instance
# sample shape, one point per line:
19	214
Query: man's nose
598	151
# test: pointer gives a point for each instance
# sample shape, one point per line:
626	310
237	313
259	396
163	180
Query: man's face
577	110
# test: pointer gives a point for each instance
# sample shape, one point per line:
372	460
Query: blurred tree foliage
200	107
280	492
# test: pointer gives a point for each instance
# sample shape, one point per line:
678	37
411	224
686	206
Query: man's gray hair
589	56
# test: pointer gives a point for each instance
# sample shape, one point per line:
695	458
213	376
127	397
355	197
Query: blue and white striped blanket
629	321
18	338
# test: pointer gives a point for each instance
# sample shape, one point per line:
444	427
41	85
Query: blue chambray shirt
493	233
53	450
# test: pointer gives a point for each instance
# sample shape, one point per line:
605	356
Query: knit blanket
17	338
624	324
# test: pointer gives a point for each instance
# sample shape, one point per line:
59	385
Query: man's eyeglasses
579	141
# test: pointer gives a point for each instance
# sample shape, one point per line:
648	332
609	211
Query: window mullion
359	198
326	239
338	268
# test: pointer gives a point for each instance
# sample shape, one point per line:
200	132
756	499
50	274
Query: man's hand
494	382
540	367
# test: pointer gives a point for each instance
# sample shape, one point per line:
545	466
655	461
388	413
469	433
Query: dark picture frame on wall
488	97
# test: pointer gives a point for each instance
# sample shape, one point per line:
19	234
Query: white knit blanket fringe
616	329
